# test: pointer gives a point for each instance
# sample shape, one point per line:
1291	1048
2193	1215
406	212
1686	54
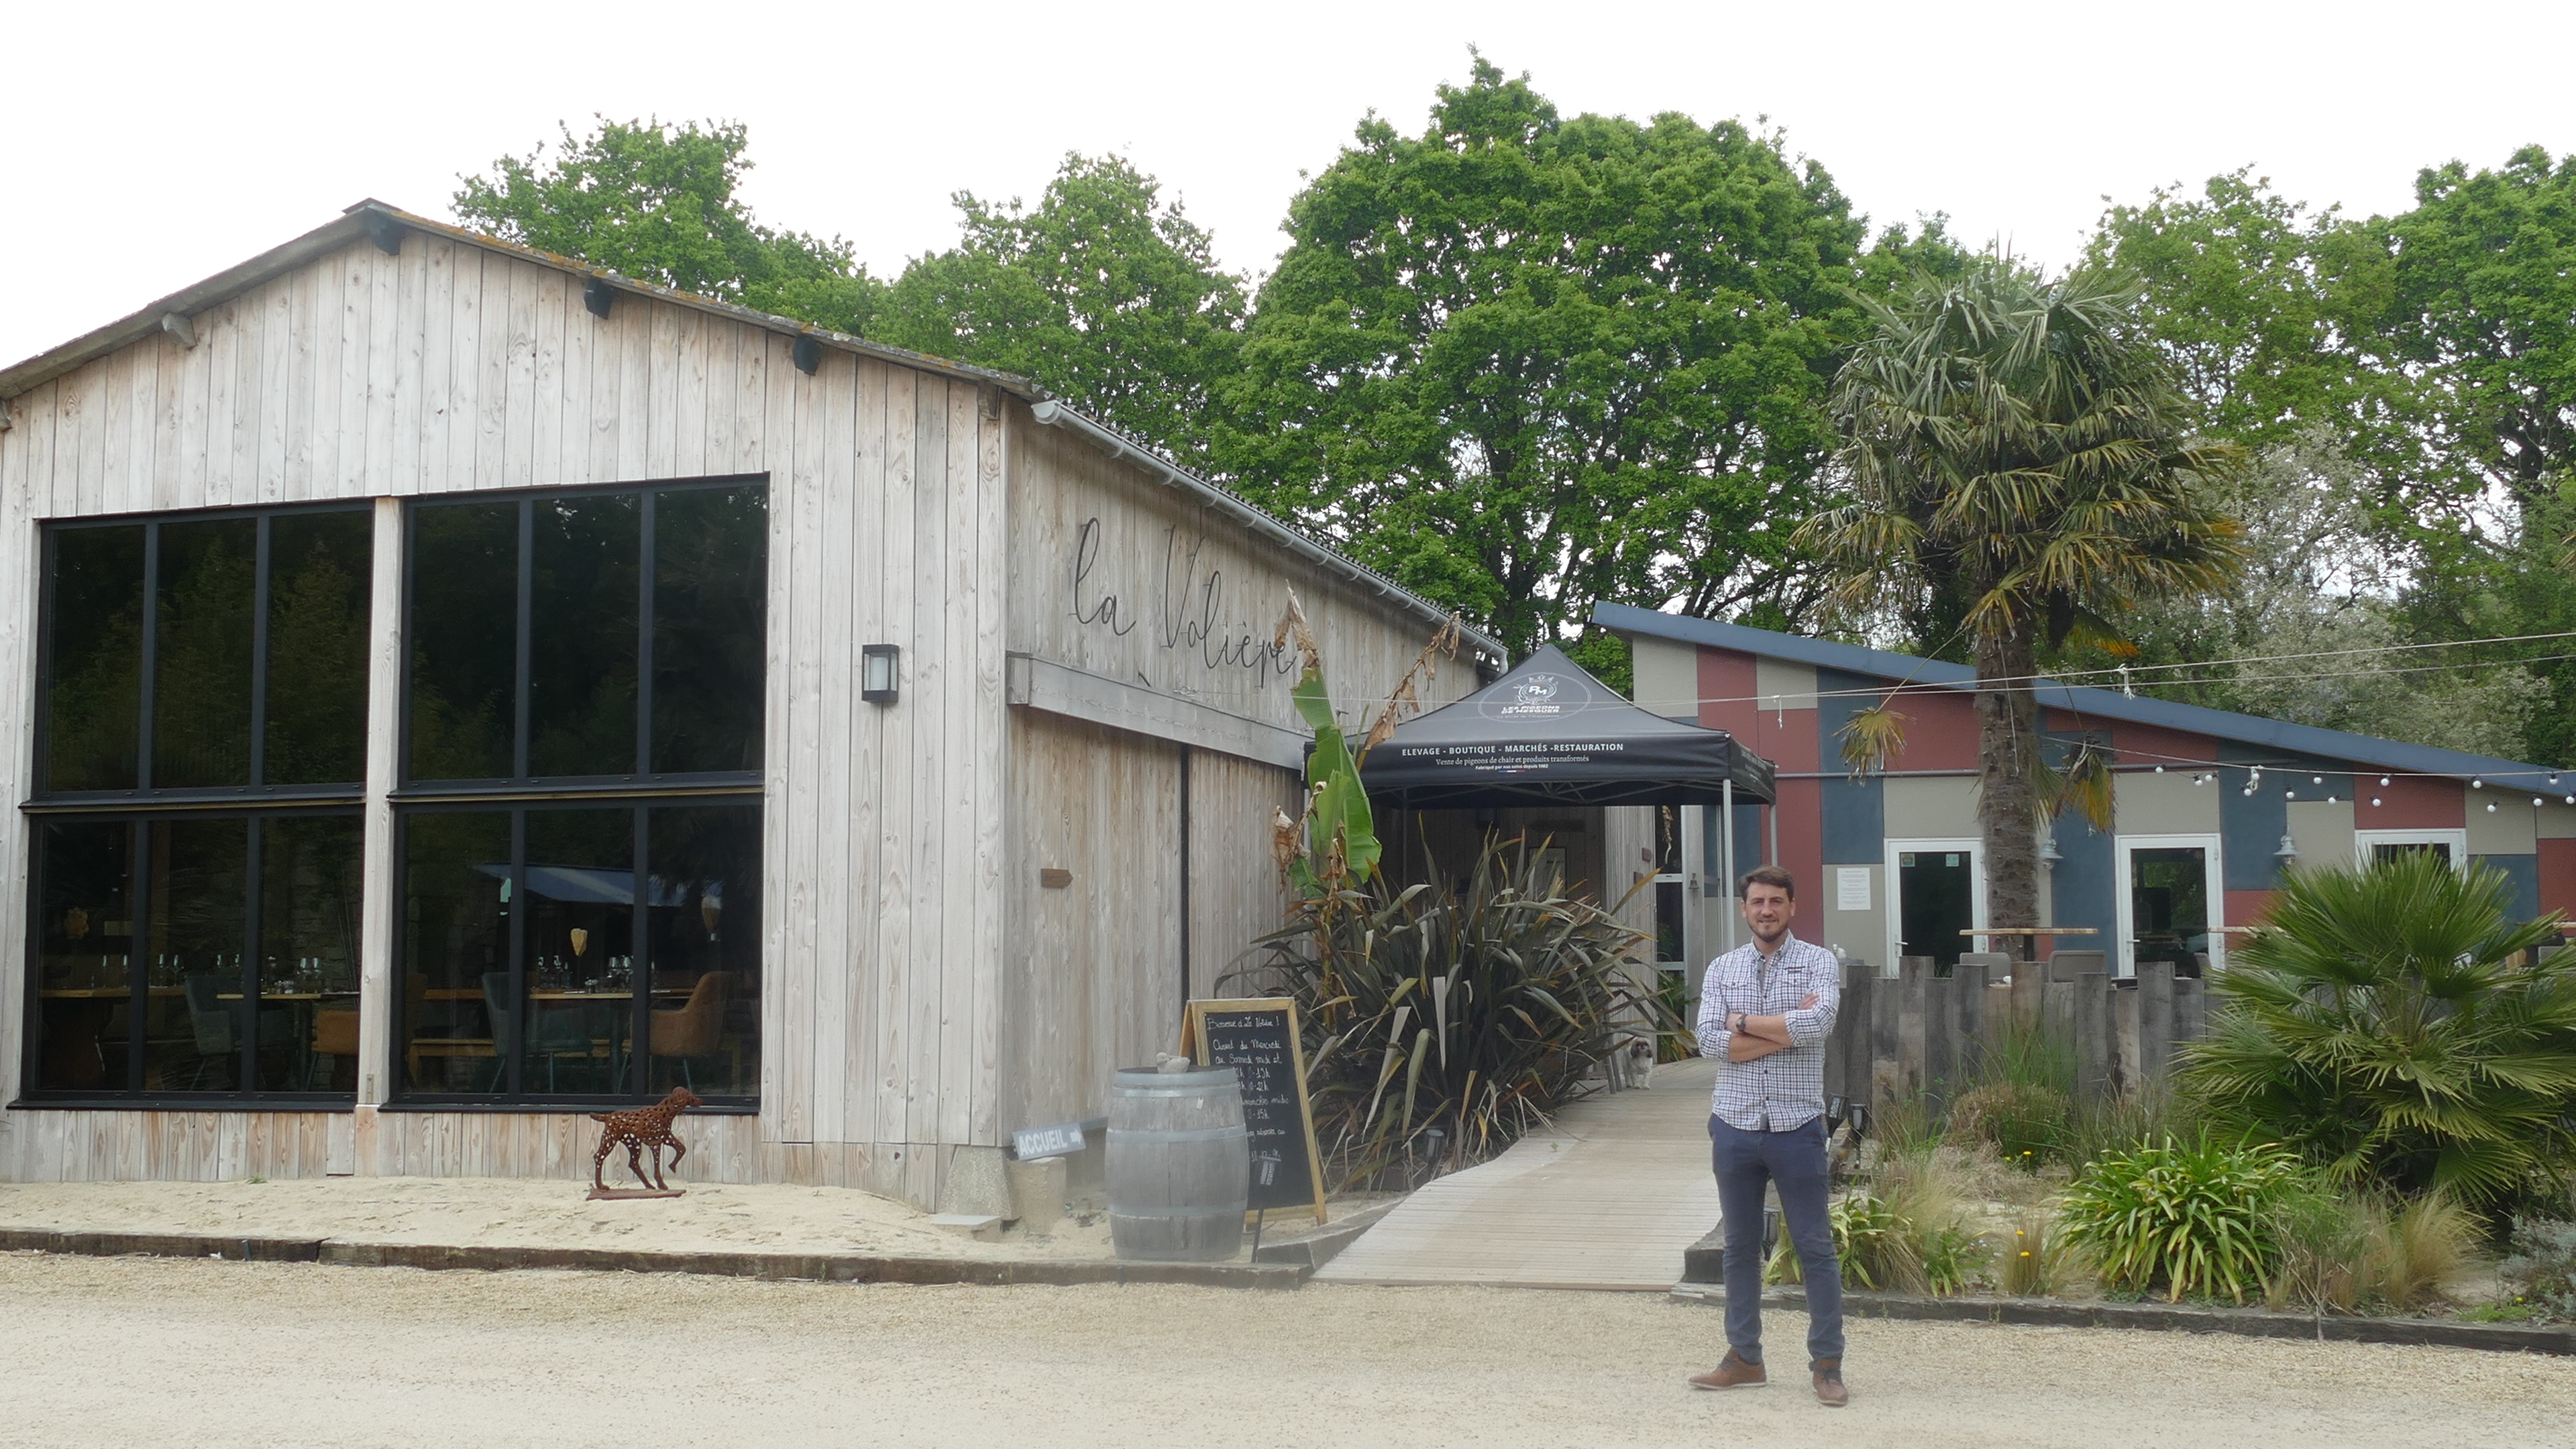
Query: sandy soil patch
144	1351
528	1212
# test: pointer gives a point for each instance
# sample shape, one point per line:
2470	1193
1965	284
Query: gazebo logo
1535	695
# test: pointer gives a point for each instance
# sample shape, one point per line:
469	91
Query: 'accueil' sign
1032	1143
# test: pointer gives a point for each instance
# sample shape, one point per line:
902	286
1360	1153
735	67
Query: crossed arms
1759	1036
1723	1032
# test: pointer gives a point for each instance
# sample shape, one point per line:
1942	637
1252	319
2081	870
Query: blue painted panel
1752	832
2523	872
2081	884
1855	815
2250	826
1855	831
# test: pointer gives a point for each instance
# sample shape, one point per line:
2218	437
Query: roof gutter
1054	414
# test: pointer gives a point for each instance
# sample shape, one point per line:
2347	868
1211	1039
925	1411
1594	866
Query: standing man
1764	1011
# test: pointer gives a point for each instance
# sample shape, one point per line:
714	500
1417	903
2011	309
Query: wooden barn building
446	688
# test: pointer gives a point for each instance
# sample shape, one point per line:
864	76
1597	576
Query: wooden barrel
1179	1165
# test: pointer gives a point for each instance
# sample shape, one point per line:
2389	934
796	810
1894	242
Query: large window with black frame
579	821
195	851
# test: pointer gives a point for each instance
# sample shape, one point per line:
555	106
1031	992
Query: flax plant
1475	1009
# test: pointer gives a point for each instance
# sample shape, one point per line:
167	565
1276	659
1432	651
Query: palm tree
2377	1023
2016	454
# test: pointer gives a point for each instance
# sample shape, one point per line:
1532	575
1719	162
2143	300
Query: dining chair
335	1035
695	1028
211	1020
553	1035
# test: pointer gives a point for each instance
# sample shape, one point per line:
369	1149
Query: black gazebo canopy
1547	733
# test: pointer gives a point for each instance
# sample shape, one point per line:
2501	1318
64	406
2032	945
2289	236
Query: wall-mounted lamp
807	355
2288	852
2048	853
879	668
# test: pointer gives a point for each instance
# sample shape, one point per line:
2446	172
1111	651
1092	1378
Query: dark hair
1770	875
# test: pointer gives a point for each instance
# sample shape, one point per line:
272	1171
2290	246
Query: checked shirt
1787	1088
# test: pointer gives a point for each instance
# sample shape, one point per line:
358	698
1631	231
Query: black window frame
144	805
641	790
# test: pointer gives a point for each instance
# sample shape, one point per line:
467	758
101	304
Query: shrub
2366	1255
1870	1243
2201	1218
2030	1262
1906	1236
2026	1123
2540	1270
2378	1024
1477	1009
2116	1123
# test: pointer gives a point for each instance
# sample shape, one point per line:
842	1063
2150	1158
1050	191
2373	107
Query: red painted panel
2558	877
2409	802
2145	746
1726	692
1788	739
2246	908
1940	733
1802	842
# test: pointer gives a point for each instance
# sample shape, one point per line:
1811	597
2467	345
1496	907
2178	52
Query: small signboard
1032	1143
1258	1038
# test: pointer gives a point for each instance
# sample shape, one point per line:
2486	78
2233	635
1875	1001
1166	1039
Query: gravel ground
135	1350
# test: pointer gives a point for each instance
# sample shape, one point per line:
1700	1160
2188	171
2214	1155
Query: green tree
2019	447
1523	361
2484	306
2263	307
2379	1025
1102	294
655	202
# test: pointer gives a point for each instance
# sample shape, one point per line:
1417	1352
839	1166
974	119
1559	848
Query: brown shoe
1829	1383
1732	1372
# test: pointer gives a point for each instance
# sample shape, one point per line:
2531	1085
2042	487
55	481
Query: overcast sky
149	146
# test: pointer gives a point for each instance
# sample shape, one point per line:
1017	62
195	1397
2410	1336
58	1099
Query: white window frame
1893	892
2457	840
2124	959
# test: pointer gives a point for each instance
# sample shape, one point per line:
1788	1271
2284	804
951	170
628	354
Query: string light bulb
2477	784
2383	781
2490	807
2374	799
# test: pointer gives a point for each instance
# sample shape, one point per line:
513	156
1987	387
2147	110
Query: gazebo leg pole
1726	856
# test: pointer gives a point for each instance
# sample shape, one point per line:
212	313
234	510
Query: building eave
2297	740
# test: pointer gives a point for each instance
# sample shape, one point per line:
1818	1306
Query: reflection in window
464	640
205	581
196	919
557	1012
209	577
456	905
601	633
94	659
580	952
319	567
84	954
706	910
581	634
308	949
710	625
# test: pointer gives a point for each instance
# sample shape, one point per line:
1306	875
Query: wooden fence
1917	1033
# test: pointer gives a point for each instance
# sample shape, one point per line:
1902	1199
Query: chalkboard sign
1258	1038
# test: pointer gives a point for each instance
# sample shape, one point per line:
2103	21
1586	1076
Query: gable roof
385	226
2308	741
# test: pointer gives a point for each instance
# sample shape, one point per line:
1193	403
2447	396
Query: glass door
2171	902
1939	897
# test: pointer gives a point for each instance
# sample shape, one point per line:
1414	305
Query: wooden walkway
1606	1199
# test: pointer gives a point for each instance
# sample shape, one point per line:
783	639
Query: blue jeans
1795	1160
